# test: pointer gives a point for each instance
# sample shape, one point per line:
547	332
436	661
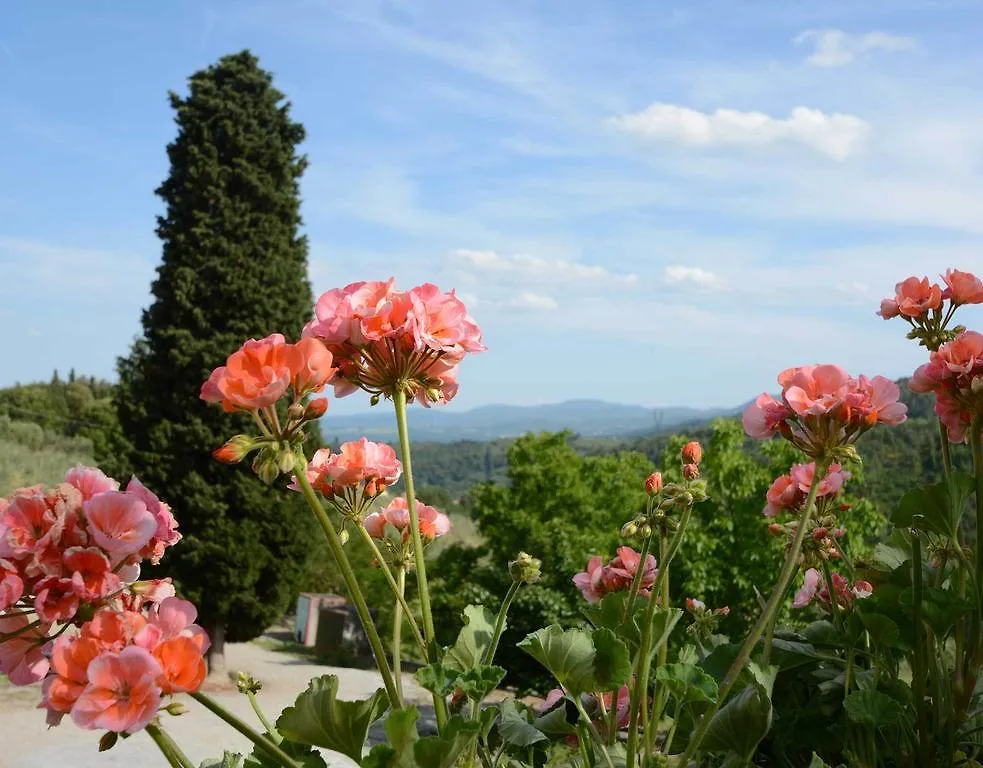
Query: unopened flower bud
776	529
645	530
316	408
343	536
629	530
235	450
695	606
433	395
691	471
653	483
108	740
176	708
286	460
839	533
692	453
296	411
266	468
246	683
525	569
374	400
819	534
721	612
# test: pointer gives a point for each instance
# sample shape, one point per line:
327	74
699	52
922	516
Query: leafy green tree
233	267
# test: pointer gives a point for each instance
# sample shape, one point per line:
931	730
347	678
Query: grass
21	465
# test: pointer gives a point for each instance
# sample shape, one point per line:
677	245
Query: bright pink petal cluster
954	373
383	338
617	576
788	493
359	465
396	514
259	373
822	407
962	287
113	674
814	587
77	544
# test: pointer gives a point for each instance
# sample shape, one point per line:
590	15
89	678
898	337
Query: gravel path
28	744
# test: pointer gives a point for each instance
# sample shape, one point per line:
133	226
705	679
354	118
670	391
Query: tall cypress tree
233	267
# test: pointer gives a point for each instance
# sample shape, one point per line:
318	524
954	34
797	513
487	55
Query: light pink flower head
916	297
889	309
783	494
22	657
91	573
29	525
360	462
11	584
806	594
90	481
443	323
255	376
120	523
876	400
621	570
166	533
122	695
763	417
962	287
814	390
591	582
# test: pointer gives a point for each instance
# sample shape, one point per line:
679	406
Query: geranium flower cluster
814	587
596	705
77	544
384	339
705	620
788	493
954	373
922	304
617	575
822	409
354	476
396	517
113	674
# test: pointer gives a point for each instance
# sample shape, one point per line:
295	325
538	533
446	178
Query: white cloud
835	135
534	267
532	301
836	48
679	274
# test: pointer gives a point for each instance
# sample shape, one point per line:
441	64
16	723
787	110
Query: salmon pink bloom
29	524
375	525
763	417
876	400
120	523
371	466
22	657
70	659
433	523
954	373
917	298
620	572
90	481
255	376
122	694
172	618
814	587
92	575
962	287
692	453
312	366
788	493
814	390
11	585
183	667
653	483
889	309
166	533
114	630
443	323
56	599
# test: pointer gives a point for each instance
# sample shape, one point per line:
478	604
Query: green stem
168	747
398	628
489	656
613	717
643	663
636	581
946	450
270	730
261	741
593	731
400	594
771	608
672	730
770	630
918	673
660	696
833	604
977	448
399	403
351	582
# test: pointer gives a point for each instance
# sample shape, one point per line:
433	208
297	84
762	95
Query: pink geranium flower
763	416
11	584
599	580
90	481
814	587
29	524
56	599
166	533
92	574
962	287
119	523
253	377
917	297
373	466
122	694
591	581
70	659
433	523
954	373
789	491
22	657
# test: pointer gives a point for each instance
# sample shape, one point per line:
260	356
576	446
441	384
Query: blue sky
648	202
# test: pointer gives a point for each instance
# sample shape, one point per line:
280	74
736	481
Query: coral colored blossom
312	367
373	466
962	287
653	483
433	523
692	453
591	581
92	575
29	524
70	659
916	297
814	587
255	376
763	416
11	584
182	666
90	481
954	373
122	694
166	533
56	599
788	492
599	579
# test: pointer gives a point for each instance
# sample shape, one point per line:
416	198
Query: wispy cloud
532	301
677	274
534	267
836	48
836	135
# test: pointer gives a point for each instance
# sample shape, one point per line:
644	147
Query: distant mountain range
589	418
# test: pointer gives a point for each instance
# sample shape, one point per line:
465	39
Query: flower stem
833	604
398	628
399	403
489	656
168	747
351	582
771	608
270	730
261	741
946	450
918	673
977	448
595	735
643	663
399	593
